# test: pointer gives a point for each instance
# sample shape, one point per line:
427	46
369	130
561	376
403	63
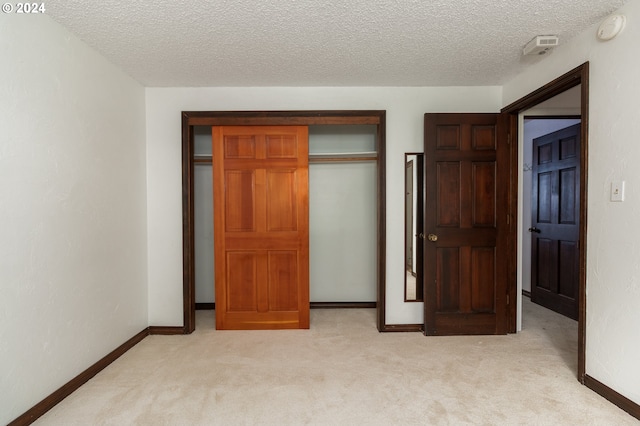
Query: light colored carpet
343	372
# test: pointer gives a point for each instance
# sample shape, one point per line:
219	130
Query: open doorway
550	197
566	86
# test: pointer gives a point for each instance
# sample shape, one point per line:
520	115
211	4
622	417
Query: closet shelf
343	155
319	156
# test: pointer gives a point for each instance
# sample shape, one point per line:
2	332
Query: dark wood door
261	226
466	162
555	221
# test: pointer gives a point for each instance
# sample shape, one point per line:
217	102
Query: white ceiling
185	43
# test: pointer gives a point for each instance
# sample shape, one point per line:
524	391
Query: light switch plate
617	190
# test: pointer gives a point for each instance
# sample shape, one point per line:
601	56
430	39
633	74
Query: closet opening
346	200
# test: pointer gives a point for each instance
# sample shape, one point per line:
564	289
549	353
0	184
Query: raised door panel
484	194
483	278
282	200
567	268
242	281
281	146
448	279
240	201
240	146
448	181
283	267
567	197
545	253
543	199
483	137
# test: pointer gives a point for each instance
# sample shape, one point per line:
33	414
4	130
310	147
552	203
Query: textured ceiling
323	42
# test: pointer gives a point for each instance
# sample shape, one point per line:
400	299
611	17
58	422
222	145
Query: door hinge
508	219
508	299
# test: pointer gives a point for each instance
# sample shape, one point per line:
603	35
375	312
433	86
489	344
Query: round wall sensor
611	27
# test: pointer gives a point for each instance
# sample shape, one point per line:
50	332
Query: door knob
432	237
534	229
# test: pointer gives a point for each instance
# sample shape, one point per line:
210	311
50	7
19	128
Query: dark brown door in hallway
555	221
261	226
466	161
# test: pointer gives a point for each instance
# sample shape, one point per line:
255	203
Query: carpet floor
343	372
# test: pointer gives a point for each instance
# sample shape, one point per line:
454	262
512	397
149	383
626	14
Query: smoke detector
611	27
540	45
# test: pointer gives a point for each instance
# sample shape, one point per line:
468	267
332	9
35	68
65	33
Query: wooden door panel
543	199
484	194
448	181
448	279
544	253
282	206
242	294
569	147
281	146
567	268
240	203
239	146
483	137
568	214
465	261
483	279
261	226
447	137
283	273
544	154
555	221
466	279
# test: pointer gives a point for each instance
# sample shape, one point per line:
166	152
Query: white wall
405	113
613	243
203	233
72	210
342	232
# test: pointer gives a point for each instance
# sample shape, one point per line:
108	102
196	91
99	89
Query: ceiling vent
540	45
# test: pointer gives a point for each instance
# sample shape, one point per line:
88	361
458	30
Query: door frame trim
273	118
577	76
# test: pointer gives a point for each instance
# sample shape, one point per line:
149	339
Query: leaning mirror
413	226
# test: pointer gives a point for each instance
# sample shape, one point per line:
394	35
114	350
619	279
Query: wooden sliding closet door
261	227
